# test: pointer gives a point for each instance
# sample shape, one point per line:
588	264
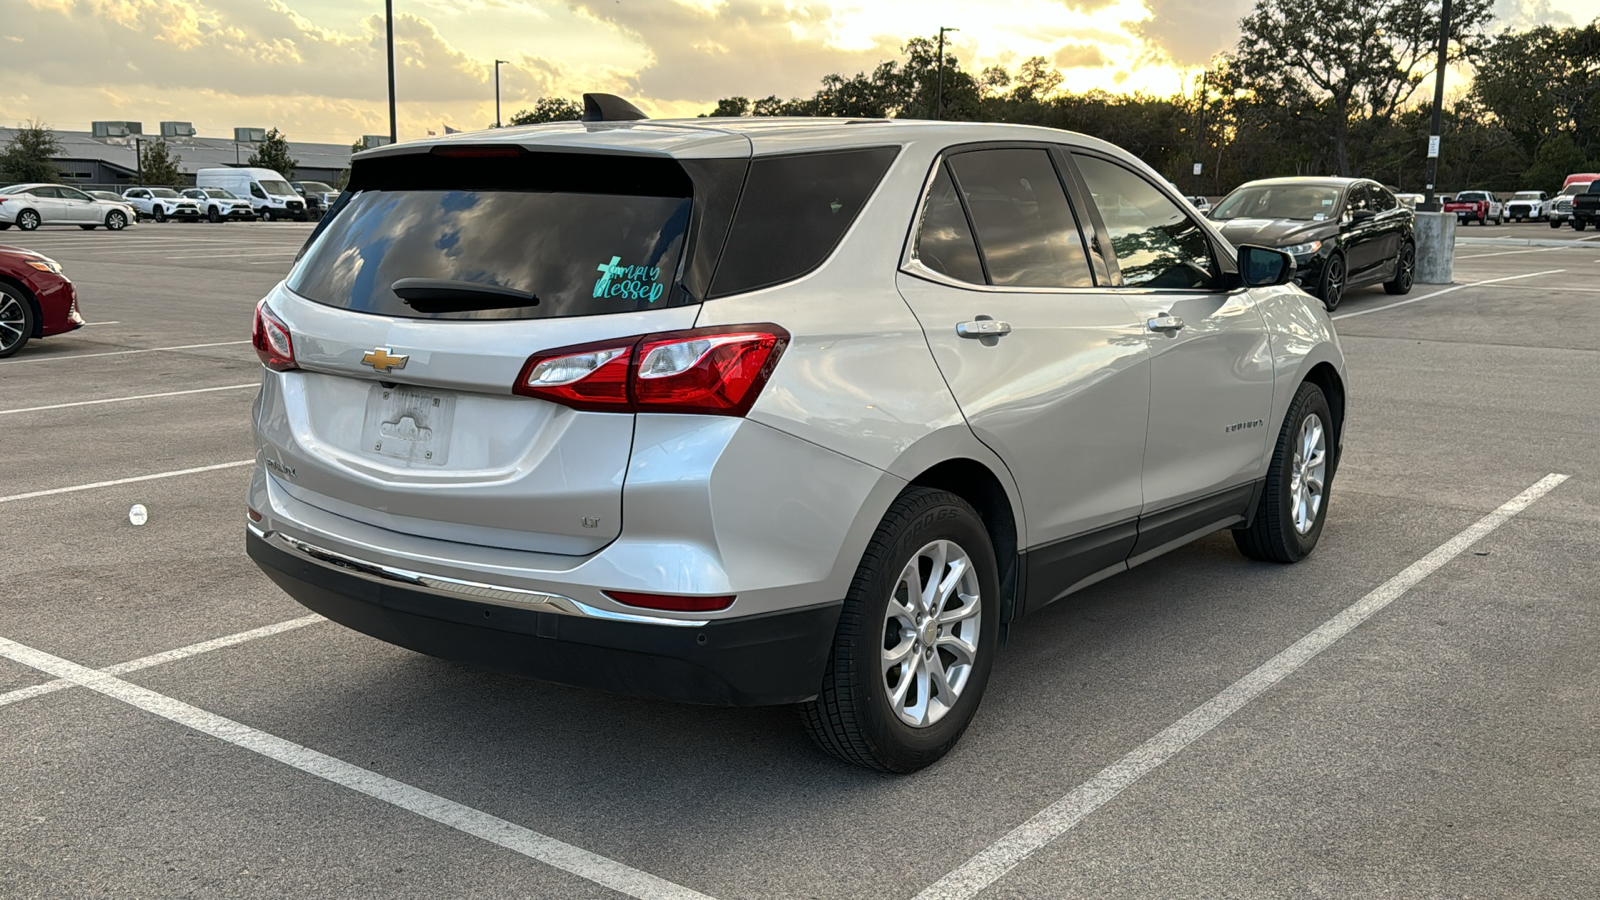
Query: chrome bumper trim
456	587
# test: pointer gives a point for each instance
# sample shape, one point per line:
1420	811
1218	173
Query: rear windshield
564	252
1471	196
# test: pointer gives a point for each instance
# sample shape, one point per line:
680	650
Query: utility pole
1428	203
938	97
1200	136
497	64
388	21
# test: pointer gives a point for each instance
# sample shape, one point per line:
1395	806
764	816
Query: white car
1529	206
220	204
1201	204
161	204
28	206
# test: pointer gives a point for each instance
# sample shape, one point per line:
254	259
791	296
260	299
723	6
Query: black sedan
1342	232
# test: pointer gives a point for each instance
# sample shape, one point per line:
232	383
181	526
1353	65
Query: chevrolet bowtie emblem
385	360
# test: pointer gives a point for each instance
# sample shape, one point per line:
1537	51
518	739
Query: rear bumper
750	661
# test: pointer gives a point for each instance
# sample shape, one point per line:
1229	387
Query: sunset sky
315	68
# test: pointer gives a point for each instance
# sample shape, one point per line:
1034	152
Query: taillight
589	376
670	602
705	371
271	339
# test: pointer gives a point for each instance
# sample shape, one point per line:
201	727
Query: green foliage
158	165
273	153
27	157
549	109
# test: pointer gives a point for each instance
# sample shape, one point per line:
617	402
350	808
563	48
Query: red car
36	300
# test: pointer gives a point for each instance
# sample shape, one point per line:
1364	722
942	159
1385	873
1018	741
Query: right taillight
706	371
271	339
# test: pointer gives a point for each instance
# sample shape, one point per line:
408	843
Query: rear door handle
982	328
1164	322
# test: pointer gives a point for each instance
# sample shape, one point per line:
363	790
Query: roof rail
610	108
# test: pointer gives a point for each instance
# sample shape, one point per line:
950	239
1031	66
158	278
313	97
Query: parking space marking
159	659
1513	252
100	484
543	848
1000	857
40	359
1452	288
226	387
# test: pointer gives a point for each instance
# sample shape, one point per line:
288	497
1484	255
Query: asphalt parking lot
1412	712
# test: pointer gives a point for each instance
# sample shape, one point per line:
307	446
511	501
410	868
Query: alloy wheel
1309	473
1333	285
27	220
13	321
930	633
116	221
1407	273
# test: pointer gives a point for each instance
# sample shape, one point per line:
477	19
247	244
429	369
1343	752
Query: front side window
1024	225
944	239
1155	242
256	191
1382	200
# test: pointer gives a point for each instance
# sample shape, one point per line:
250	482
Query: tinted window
1382	200
1156	243
72	193
49	193
579	254
1025	228
944	240
793	212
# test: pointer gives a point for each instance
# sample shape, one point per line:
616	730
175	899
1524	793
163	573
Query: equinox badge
384	360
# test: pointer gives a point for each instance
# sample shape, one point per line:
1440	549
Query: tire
213	215
159	213
1405	270
16	320
1579	224
1482	221
1555	223
855	717
1281	532
266	215
1330	287
28	220
116	221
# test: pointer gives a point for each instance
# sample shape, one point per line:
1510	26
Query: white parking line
1000	857
158	659
101	484
86	324
40	359
229	387
543	848
1513	252
1452	288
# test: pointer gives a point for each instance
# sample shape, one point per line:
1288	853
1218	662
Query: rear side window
1156	243
794	211
944	239
1025	227
555	238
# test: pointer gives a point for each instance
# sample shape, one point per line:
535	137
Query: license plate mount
408	425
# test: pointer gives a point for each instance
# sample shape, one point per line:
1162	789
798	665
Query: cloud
1074	56
1190	32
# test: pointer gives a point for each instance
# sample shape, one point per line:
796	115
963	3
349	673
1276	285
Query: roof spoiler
610	108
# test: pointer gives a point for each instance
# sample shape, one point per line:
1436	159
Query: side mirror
1264	266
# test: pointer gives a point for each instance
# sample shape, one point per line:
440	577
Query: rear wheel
1579	224
27	220
1294	502
16	321
1405	270
916	638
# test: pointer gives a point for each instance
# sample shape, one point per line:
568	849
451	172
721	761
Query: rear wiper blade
438	295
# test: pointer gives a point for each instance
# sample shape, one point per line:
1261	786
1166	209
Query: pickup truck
1478	206
1586	208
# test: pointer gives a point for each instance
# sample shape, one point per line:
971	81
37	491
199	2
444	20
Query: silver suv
772	411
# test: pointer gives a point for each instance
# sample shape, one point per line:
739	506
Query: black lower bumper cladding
753	661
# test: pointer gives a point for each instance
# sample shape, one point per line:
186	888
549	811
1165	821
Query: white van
268	192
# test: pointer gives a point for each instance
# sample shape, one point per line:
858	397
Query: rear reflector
671	602
254	516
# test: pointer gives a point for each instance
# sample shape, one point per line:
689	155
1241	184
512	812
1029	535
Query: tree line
29	157
1341	87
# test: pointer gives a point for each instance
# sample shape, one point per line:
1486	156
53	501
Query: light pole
938	97
138	158
497	64
1200	135
388	21
1428	203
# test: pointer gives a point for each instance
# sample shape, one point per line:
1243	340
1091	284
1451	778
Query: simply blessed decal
630	282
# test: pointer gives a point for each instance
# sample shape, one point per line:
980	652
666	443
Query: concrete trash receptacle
1436	247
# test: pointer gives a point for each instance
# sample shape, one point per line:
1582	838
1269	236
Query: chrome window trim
458	587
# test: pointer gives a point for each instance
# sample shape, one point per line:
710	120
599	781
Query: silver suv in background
161	203
772	411
221	205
